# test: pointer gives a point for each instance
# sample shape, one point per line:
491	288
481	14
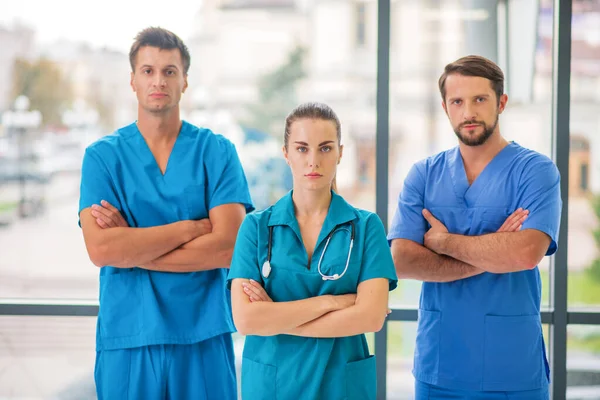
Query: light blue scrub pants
202	371
425	391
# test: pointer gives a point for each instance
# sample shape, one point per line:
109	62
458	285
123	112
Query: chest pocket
489	220
195	202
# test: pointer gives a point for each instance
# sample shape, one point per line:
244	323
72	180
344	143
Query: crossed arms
447	257
183	246
326	316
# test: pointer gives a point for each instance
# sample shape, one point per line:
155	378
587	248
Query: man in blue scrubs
161	203
473	222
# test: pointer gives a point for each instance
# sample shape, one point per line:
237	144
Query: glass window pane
584	158
252	63
427	35
583	362
401	346
47	357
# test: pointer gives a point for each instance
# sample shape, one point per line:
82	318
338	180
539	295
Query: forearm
354	320
264	318
130	247
499	252
414	261
204	253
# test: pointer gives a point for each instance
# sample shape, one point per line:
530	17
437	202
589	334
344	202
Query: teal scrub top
139	307
482	333
289	367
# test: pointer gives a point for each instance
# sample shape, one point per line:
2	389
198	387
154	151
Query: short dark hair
164	40
474	66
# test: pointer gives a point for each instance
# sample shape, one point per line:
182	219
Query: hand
255	291
344	301
514	222
435	236
108	216
202	227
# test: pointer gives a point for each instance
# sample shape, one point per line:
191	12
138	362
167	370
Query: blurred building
16	41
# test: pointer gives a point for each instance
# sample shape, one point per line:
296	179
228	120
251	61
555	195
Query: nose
313	159
469	112
159	80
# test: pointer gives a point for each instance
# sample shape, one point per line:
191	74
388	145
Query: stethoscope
266	267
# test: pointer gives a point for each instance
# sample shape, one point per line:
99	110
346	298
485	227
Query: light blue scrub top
481	333
293	367
140	307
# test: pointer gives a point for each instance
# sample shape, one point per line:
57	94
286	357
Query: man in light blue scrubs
161	203
473	222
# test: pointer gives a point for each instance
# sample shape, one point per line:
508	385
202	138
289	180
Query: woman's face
313	153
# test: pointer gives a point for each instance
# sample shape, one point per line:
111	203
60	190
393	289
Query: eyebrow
166	67
473	97
320	144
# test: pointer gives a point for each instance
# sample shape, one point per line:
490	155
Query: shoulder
532	163
205	137
112	142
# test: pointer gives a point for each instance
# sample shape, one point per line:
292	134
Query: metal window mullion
381	166
561	74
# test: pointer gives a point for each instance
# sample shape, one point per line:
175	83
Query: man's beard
478	140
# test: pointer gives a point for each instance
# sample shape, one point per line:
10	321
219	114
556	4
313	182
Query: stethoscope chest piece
266	269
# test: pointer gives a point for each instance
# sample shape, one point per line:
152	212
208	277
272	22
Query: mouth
158	95
471	126
313	175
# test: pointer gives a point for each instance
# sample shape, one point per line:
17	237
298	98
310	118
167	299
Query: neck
481	155
159	127
311	203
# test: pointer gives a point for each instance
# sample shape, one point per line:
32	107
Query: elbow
243	322
529	258
98	255
377	322
402	262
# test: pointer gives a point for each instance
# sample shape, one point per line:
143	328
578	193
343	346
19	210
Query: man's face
472	107
158	79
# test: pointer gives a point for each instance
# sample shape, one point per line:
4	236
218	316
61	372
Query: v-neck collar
340	212
468	194
145	153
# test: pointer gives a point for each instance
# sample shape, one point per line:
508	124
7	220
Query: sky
110	23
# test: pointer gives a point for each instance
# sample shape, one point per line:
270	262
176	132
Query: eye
170	72
326	149
480	99
302	149
457	102
146	71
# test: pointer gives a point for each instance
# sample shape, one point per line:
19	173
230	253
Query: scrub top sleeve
244	262
96	183
377	259
226	179
540	194
408	222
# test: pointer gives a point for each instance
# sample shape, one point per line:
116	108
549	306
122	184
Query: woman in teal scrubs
326	270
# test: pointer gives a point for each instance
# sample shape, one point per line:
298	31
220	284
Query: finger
256	291
107	213
101	223
117	214
429	217
516	225
108	223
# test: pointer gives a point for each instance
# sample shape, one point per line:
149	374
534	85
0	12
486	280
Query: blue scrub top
484	332
140	307
285	366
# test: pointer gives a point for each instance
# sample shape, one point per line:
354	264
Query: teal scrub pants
202	371
425	391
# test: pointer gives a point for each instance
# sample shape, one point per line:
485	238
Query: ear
444	106
285	155
185	83
503	101
341	153
132	75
